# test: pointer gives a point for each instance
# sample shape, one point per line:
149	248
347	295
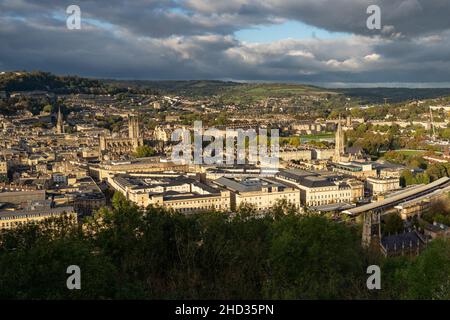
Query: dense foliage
126	253
31	81
433	172
144	151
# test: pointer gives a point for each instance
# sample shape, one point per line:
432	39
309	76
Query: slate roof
407	239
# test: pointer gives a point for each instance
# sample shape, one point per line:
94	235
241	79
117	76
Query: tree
408	178
144	151
126	252
394	272
295	141
34	261
438	170
283	207
429	276
314	258
116	234
47	108
417	162
119	201
393	224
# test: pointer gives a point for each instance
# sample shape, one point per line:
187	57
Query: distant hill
191	88
225	91
32	81
251	92
394	95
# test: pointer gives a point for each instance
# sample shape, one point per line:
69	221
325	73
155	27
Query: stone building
180	193
12	219
262	193
317	190
3	168
379	185
113	148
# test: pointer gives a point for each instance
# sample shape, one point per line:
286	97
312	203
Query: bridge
407	195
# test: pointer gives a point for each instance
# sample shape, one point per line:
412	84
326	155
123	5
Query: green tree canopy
144	151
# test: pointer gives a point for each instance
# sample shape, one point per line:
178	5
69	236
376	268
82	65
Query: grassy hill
193	88
224	91
236	92
250	93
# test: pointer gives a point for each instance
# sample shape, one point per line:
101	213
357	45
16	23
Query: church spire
60	122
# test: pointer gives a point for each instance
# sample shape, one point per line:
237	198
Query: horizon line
320	84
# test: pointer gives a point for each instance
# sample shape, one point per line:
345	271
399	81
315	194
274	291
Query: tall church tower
339	148
134	132
133	127
60	122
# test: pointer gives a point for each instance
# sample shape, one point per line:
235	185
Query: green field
250	93
318	136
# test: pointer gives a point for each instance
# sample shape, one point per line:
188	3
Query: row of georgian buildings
195	193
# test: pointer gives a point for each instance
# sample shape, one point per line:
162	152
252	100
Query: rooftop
407	239
248	184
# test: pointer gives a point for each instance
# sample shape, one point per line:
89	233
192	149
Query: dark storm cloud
155	18
161	18
193	39
408	17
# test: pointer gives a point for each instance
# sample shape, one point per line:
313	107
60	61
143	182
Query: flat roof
248	184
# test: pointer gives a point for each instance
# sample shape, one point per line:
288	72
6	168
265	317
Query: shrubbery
127	253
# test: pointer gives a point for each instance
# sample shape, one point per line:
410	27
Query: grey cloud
152	40
409	17
160	18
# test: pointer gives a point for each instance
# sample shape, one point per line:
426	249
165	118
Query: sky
307	41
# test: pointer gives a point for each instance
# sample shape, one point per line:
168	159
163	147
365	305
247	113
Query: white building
323	154
295	154
381	185
316	190
262	193
183	194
